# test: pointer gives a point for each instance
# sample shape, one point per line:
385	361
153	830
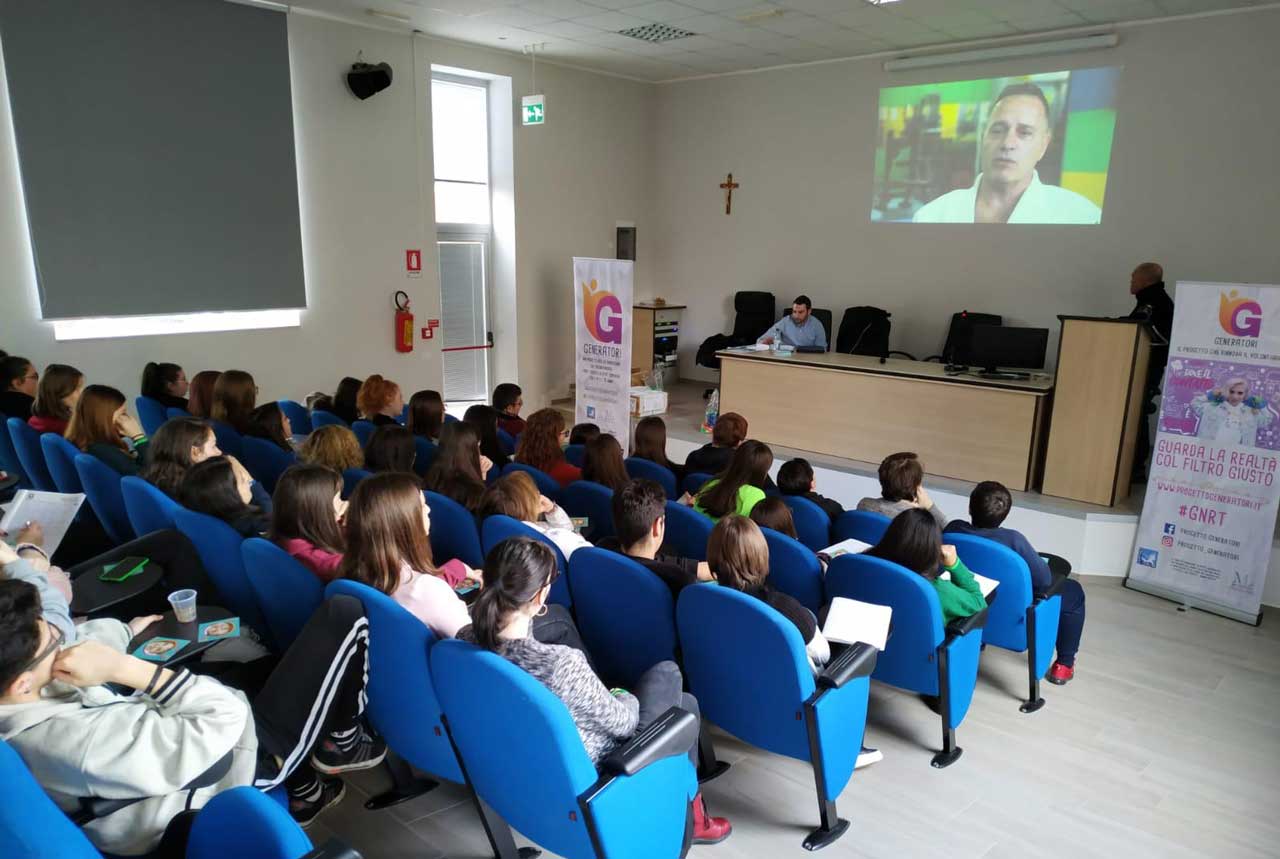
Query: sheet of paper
850	621
53	510
844	547
985	584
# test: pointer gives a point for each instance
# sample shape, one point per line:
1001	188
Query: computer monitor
993	346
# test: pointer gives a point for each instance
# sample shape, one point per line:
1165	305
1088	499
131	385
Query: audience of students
989	505
712	458
739	559
603	462
426	415
773	513
541	445
222	488
269	422
740	486
56	397
518	577
517	496
19	381
390	448
459	469
332	446
380	401
200	393
902	488
388	523
508	400
640	521
179	444
307	519
235	396
796	478
102	427
345	398
914	540
166	384
651	444
584	434
485	420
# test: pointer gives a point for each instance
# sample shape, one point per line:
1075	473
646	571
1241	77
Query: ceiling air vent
656	33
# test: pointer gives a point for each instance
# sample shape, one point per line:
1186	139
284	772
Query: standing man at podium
1155	307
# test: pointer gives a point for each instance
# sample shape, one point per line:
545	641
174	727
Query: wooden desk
853	406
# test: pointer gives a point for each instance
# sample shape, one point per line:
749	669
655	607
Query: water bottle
713	409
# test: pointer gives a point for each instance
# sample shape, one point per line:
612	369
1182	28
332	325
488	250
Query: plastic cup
184	605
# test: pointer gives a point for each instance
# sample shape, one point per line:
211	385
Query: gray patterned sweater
893	508
604	720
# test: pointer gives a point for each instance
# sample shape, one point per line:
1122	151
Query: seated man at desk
797	329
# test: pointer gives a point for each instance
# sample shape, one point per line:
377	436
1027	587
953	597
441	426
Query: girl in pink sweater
306	518
387	521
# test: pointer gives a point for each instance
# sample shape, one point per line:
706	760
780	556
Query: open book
986	585
850	621
53	510
844	547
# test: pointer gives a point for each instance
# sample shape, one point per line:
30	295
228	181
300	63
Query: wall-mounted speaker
365	79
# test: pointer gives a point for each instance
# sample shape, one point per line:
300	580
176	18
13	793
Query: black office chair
755	312
955	349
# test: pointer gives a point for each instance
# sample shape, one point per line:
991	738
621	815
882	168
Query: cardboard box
645	401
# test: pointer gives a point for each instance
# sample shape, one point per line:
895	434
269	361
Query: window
460	141
464	231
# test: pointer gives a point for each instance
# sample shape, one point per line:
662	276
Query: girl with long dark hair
739	487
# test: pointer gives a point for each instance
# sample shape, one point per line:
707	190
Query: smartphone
465	588
123	569
580	523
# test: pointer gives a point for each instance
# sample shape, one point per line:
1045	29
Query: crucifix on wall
728	185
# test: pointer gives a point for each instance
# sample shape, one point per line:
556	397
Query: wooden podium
1098	408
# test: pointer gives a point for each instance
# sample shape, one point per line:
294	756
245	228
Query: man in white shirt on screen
799	328
1009	190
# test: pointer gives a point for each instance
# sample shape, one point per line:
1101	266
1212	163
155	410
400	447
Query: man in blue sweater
989	504
797	329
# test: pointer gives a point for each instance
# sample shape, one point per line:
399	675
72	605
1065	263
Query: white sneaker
867	757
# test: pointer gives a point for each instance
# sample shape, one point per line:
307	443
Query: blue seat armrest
331	849
93	807
965	625
854	661
673	733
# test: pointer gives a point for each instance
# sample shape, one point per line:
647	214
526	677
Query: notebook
851	621
985	584
844	547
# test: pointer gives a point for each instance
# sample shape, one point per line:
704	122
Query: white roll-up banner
602	301
1210	510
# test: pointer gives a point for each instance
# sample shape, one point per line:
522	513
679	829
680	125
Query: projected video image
1032	149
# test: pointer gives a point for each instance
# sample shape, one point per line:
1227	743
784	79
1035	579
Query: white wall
365	193
1192	184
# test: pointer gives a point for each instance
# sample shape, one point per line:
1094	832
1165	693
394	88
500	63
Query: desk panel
962	430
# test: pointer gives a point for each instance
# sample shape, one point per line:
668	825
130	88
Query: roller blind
155	142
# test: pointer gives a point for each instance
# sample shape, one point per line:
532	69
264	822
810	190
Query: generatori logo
1239	317
602	312
1148	558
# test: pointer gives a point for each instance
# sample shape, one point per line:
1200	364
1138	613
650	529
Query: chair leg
1034	701
499	833
950	751
831	825
708	767
403	785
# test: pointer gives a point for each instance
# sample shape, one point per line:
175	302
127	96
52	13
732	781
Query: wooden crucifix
728	185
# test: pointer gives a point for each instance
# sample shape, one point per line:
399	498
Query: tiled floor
1167	744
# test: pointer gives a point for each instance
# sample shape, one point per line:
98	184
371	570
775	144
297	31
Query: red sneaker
1059	674
708	829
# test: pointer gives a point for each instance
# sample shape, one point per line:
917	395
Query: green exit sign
533	110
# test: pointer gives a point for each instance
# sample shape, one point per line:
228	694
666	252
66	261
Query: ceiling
736	35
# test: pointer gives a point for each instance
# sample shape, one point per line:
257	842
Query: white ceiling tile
977	30
804	52
613	21
717	5
1046	22
848	42
515	17
709	24
859	17
663	11
820	6
566	29
794	24
695	43
757	37
608	40
560	9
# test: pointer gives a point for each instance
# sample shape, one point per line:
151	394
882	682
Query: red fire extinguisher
404	323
